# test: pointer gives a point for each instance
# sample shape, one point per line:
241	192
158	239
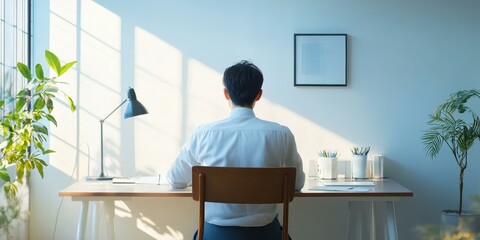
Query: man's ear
225	93
259	95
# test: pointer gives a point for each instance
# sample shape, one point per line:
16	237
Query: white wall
404	58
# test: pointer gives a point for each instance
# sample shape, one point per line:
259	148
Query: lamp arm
103	120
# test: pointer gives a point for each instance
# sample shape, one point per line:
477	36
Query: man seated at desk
241	140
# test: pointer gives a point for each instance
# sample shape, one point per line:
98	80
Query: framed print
320	59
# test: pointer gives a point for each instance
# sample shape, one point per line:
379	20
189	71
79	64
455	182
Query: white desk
367	210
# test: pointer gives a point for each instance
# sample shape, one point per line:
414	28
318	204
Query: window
14	44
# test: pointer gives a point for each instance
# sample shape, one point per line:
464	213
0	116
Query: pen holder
327	167
359	166
377	166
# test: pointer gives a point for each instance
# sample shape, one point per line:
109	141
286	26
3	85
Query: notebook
349	183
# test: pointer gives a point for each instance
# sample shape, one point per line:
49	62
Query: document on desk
339	188
365	183
346	186
156	180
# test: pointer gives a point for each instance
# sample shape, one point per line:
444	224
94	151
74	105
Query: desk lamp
134	108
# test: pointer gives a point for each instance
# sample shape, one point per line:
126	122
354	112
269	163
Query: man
241	140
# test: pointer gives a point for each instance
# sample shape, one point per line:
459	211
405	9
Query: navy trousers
271	231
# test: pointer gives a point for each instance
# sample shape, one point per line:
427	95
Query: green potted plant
359	161
327	163
457	126
466	231
23	124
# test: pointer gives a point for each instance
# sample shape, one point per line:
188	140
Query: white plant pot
469	221
359	166
327	167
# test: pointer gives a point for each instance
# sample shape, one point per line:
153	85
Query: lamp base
99	178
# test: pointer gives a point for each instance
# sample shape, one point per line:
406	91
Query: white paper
340	188
157	180
349	184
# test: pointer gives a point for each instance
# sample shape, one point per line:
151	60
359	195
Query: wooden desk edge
189	194
125	194
351	194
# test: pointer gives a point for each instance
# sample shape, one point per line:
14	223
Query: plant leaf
66	67
53	62
20	103
70	103
40	129
47	152
39	168
10	188
49	105
39	72
4	174
25	71
51	89
39	104
51	119
20	171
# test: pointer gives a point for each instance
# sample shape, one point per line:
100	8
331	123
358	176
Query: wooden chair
243	185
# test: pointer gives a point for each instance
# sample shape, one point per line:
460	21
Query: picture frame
320	59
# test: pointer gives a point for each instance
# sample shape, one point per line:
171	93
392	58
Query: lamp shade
134	107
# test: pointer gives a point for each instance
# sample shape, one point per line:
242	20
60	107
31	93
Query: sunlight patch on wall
100	85
122	210
148	226
159	83
101	23
63	36
309	136
205	101
63	41
65	9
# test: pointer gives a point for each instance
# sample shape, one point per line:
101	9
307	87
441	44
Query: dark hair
243	81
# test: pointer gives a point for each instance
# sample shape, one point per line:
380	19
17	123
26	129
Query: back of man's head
243	81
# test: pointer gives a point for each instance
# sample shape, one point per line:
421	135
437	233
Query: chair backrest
243	185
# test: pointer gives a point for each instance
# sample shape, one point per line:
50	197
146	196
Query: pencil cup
377	166
327	167
359	166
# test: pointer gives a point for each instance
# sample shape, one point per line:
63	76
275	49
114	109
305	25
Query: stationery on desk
155	180
347	186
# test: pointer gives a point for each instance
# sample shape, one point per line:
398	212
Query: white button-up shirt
241	140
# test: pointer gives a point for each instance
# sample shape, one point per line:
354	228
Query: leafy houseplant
10	213
456	125
463	230
23	125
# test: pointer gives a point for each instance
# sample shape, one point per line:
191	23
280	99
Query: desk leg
391	222
372	223
82	221
109	218
372	220
93	222
103	215
385	220
360	219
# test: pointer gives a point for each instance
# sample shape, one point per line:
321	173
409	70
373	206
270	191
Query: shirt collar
242	112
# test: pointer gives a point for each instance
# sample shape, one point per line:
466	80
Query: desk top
383	188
